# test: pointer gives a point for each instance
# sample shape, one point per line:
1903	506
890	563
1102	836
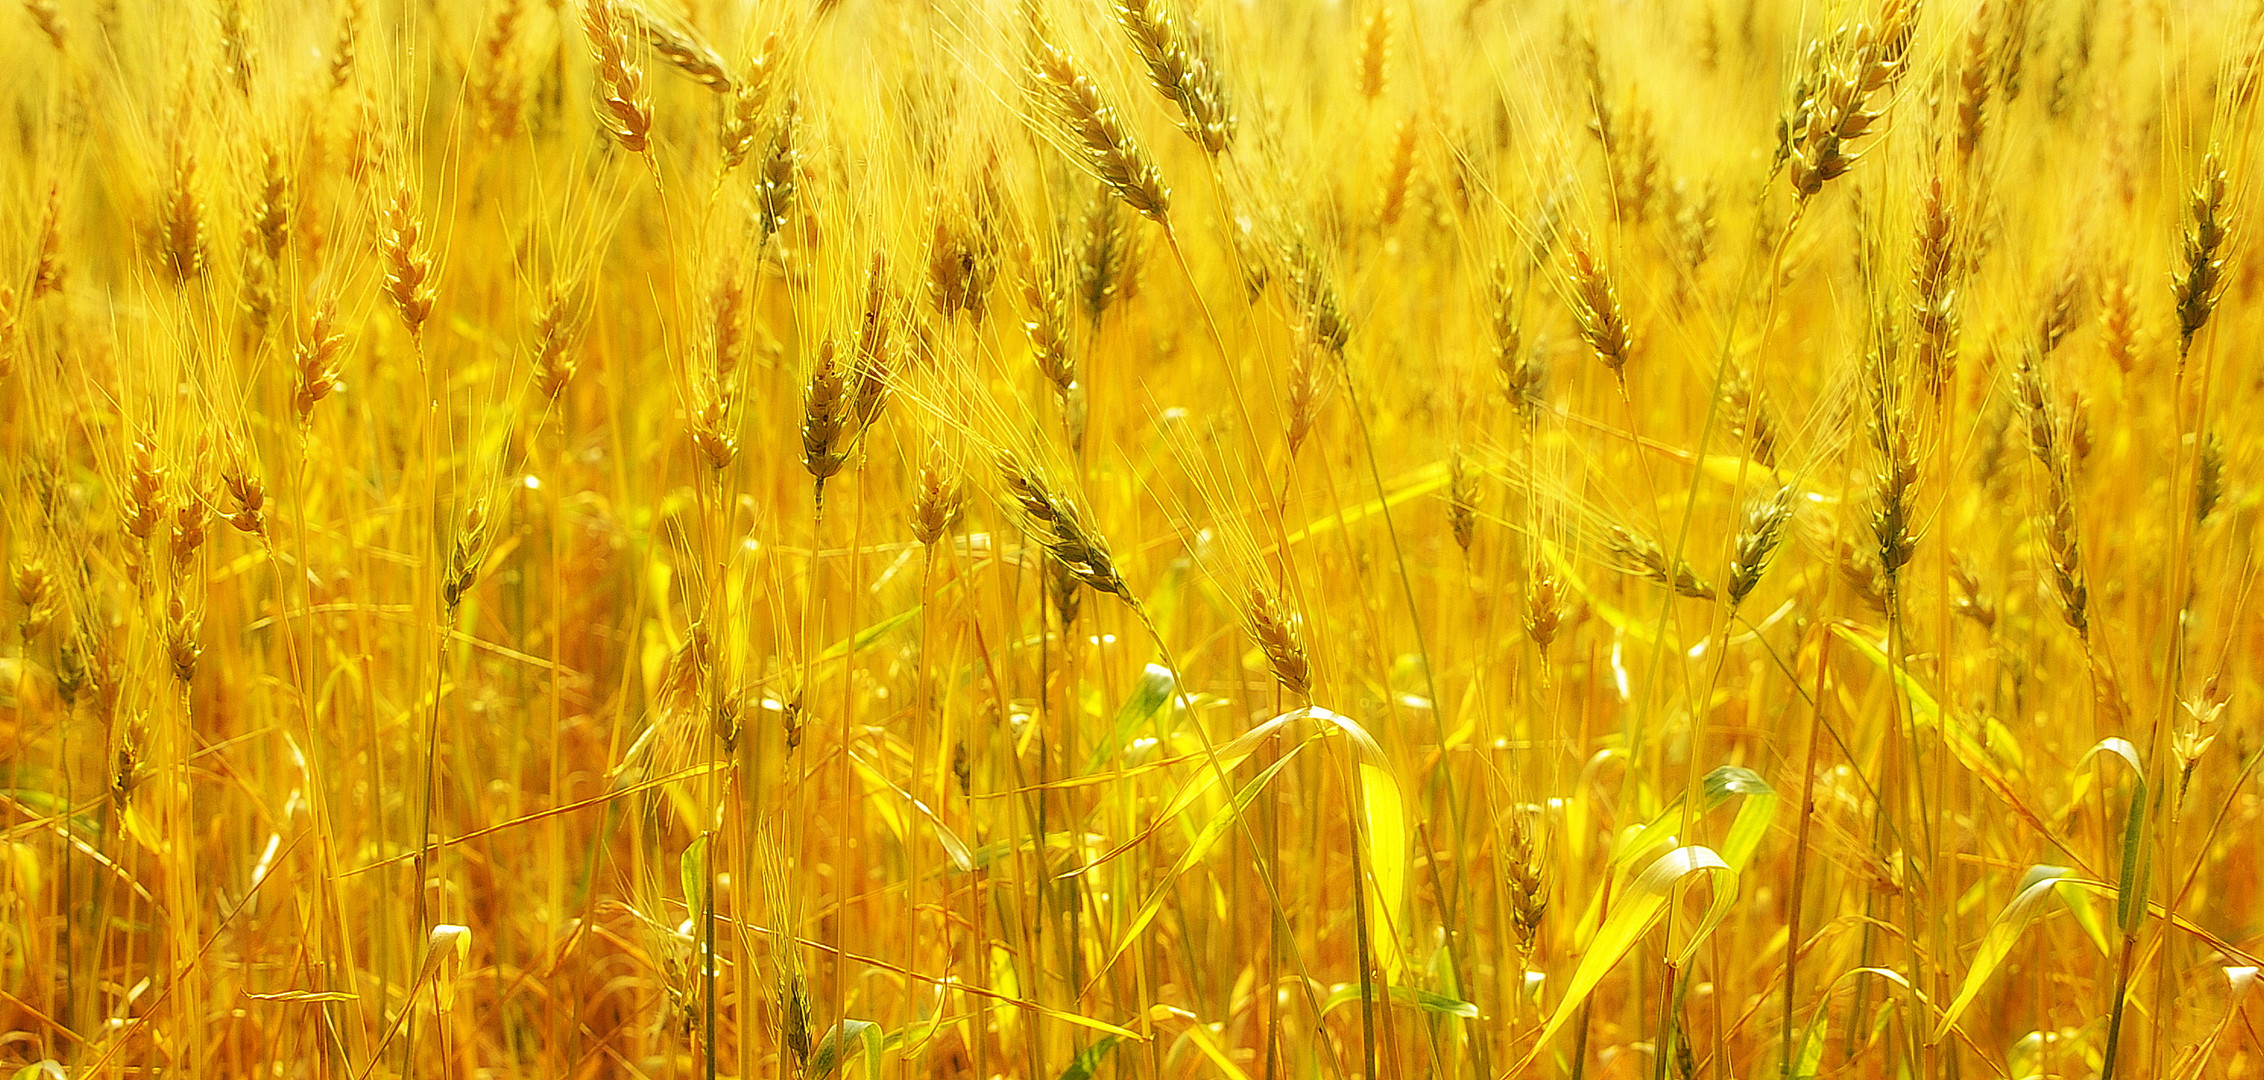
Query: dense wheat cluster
1143	539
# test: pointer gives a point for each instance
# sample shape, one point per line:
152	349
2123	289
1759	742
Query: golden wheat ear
2201	262
1595	307
1059	526
677	41
1097	134
777	179
408	263
825	416
623	105
1279	634
1758	537
936	505
1184	68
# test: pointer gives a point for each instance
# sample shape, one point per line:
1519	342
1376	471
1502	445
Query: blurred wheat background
1151	539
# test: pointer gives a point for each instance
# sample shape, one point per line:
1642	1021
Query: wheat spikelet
1766	516
50	21
793	1010
1595	306
1461	502
1046	324
1397	173
1639	555
2197	729
2208	476
1973	84
677	42
1579	40
1933	311
2059	313
558	329
776	181
1102	142
144	492
48	270
2013	45
1183	69
1694	223
1104	254
181	220
1277	631
256	292
1064	590
1972	601
1635	167
963	258
1751	417
1524	370
936	506
408	266
2058	524
250	496
1313	290
1375	52
128	760
344	42
496	85
1544	604
2118	322
750	97
727	307
465	553
1893	521
623	106
1059	526
1257	270
711	429
1528	876
1858	567
235	47
189	513
825	416
2201	260
1508	327
1843	101
316	358
182	647
1310	382
271	209
873	364
37	594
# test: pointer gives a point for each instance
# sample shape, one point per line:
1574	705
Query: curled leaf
449	948
2029	904
842	1042
1634	912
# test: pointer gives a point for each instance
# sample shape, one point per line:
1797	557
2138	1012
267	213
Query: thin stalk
1798	885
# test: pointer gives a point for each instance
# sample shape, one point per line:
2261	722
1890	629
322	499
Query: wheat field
1143	539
